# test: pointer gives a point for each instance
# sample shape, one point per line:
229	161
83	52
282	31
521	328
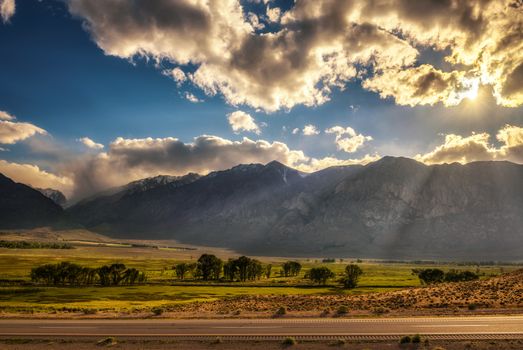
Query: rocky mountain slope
24	207
392	208
54	195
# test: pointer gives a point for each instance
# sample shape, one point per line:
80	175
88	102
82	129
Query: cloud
477	147
274	14
90	143
177	74
322	45
7	9
6	116
11	132
347	139
295	131
423	85
310	130
131	159
32	175
191	98
241	121
314	164
299	64
255	21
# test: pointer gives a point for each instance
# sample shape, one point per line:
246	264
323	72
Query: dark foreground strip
298	337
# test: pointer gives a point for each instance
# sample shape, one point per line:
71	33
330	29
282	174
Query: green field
162	288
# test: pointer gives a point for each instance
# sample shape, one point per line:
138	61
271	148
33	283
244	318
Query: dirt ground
141	344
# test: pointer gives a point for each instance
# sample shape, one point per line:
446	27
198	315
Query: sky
94	94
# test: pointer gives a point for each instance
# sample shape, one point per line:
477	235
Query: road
436	327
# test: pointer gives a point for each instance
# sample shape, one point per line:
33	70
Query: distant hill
54	195
24	207
393	208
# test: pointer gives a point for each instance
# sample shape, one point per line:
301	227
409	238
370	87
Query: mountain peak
275	164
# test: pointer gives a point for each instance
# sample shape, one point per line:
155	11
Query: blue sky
58	73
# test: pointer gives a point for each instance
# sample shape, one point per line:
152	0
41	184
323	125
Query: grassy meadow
162	289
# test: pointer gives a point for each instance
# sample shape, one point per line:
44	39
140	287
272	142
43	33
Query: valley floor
385	288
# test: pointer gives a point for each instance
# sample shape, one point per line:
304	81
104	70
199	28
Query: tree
209	267
181	270
320	275
230	269
243	268
291	268
66	273
460	276
429	276
351	276
268	269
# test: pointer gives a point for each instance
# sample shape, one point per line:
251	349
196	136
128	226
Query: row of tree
431	276
322	274
209	267
34	245
66	273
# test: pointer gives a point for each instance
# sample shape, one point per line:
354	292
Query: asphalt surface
470	327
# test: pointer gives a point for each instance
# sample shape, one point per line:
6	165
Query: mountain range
394	208
21	206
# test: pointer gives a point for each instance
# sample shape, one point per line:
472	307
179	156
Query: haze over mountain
392	208
55	195
24	207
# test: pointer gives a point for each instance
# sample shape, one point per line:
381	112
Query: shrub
380	310
405	340
339	342
289	341
88	311
472	306
281	311
416	339
110	341
157	311
343	310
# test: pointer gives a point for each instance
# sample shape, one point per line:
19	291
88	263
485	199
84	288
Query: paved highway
470	327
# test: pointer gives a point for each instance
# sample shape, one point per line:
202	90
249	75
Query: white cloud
131	159
321	46
477	147
310	130
6	116
7	9
314	164
191	98
347	139
177	74
90	143
255	21
295	131
12	132
241	121
274	14
32	175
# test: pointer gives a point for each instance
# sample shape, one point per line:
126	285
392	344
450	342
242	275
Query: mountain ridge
391	208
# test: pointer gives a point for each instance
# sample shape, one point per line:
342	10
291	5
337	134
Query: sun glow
471	88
